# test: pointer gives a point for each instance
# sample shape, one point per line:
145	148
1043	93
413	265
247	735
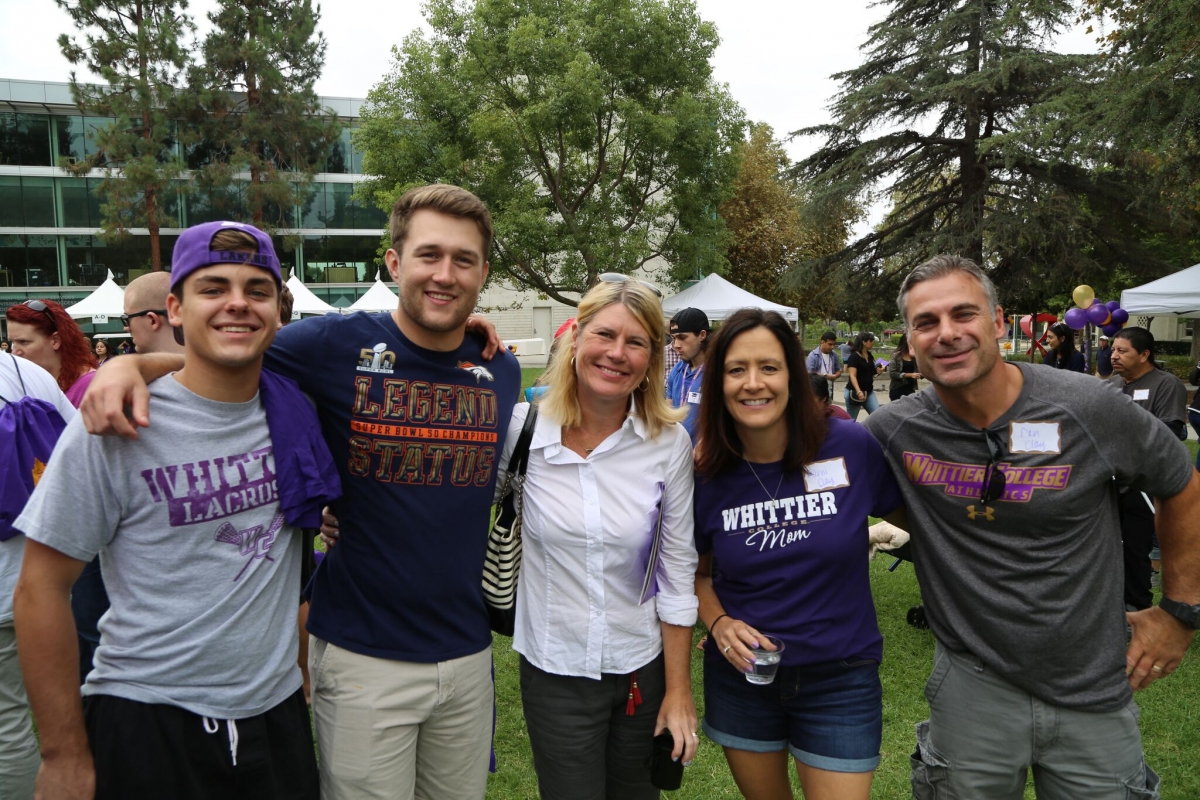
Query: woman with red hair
41	331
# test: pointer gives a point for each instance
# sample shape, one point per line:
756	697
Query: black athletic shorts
147	751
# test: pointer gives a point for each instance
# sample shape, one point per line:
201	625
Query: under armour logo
987	513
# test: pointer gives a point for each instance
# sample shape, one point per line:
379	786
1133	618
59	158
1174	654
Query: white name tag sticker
822	476
1141	394
693	397
1034	437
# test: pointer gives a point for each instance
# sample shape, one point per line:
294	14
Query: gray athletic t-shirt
202	572
1159	392
1031	583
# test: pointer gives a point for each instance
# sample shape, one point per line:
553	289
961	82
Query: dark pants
148	751
1137	539
89	601
584	745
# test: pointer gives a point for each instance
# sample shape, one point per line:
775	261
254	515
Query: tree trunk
255	195
972	171
151	193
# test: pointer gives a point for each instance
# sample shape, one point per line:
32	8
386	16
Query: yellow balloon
1083	295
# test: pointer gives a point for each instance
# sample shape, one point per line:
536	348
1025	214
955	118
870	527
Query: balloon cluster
1109	317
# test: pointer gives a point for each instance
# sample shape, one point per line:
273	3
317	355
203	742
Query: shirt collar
549	436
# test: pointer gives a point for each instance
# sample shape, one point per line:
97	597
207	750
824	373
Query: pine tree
137	48
263	117
974	158
1150	114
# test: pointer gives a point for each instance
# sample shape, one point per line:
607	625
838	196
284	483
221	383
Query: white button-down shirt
587	526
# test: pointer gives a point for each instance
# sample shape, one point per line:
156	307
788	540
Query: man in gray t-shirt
1011	490
1163	395
195	690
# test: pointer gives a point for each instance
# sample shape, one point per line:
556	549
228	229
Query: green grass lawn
1170	712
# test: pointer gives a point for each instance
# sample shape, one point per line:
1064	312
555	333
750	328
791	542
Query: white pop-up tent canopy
718	298
107	301
305	302
1175	295
378	298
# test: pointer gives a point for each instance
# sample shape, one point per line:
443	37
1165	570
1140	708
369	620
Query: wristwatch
1188	615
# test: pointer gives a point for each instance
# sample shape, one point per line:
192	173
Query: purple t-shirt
797	567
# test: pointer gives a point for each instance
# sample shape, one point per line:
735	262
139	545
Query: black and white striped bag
503	561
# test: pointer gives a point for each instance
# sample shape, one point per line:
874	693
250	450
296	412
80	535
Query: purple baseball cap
193	250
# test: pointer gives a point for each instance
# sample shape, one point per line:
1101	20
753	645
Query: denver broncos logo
477	371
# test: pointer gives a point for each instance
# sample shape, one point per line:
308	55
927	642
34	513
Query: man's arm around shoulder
49	651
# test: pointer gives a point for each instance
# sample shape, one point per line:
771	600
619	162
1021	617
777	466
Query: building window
313	213
70	134
10	202
73	200
37	196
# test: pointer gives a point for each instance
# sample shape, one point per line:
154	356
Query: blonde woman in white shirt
601	673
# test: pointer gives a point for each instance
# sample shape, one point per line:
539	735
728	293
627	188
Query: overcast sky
776	55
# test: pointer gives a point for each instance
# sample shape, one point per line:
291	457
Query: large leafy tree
138	49
592	129
261	114
957	119
768	235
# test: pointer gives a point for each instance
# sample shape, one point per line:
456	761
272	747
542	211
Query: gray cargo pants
984	734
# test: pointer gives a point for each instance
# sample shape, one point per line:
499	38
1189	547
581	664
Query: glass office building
50	220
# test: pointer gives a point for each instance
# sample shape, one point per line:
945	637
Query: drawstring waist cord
231	727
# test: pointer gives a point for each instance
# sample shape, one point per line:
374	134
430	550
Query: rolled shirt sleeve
676	600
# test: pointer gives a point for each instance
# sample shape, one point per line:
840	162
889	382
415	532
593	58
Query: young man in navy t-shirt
400	658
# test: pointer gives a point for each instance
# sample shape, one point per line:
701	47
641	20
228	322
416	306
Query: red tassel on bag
635	695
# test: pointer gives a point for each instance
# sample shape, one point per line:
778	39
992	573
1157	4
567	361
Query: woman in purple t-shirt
781	505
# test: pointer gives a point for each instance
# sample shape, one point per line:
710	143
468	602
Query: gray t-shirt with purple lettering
1030	583
202	572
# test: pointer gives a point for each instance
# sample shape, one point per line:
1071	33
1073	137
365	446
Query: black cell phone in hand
665	774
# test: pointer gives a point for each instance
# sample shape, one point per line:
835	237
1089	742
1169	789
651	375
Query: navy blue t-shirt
416	435
797	567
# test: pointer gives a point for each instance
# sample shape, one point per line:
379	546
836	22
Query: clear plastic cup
766	662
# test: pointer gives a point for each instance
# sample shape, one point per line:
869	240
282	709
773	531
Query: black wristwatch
1188	615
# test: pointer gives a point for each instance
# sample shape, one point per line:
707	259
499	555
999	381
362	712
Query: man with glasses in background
1019	556
145	314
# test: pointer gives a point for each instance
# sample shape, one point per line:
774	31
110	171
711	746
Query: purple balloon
1110	330
1113	305
1076	319
1099	314
1120	316
1096	301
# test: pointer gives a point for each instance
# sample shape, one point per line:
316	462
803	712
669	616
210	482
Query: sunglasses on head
39	306
617	277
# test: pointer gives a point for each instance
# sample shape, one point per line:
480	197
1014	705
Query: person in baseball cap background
689	336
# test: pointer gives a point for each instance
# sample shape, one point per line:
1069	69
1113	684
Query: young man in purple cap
416	416
195	692
689	337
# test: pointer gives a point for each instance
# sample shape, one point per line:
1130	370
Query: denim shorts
830	716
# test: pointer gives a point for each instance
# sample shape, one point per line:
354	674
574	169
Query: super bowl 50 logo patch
377	359
477	371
